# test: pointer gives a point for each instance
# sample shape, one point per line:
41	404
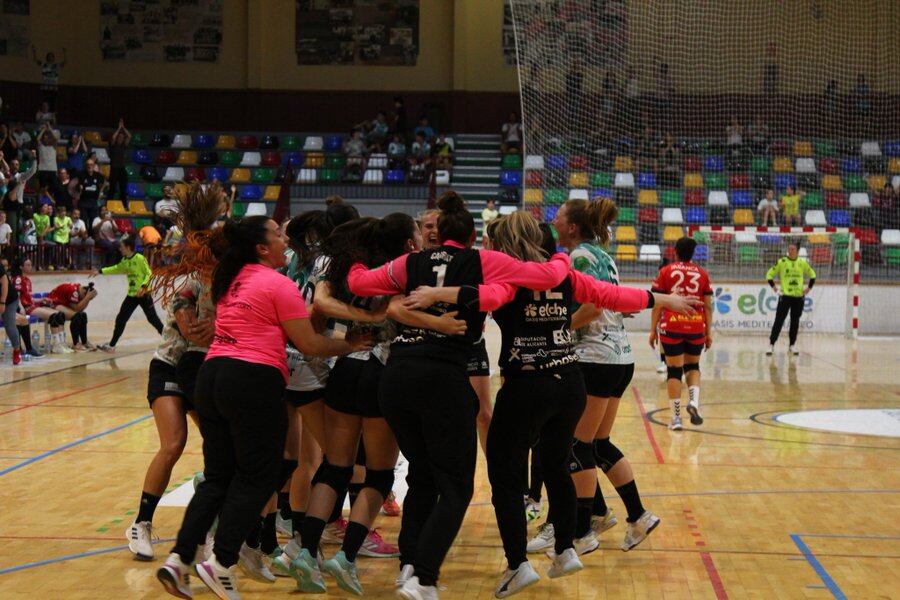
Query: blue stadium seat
695	215
602	193
701	253
550	213
741	199
647	180
851	165
251	192
556	161
395	176
294	159
892	148
713	163
204	141
220	173
133	190
511	178
782	180
839	218
141	157
768	238
334	143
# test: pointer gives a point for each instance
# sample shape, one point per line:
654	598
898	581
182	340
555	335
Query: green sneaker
306	571
344	572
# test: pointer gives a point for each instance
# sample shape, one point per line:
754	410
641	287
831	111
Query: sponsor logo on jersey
545	310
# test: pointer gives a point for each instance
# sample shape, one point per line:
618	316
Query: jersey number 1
441	271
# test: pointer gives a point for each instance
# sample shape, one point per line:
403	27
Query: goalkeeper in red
790	271
683	337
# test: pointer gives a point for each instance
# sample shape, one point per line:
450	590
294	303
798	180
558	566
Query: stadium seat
805	165
555	196
759	164
717	198
576	162
781	147
334	143
370	177
316	160
94	139
556	161
782	164
821	255
333	161
623	163
150	174
550	213
829	166
534	162
867	236
672	234
160	140
691	163
739	181
808	181
533	196
141	157
256	209
240	176
293	159
329	176
225	142
208	157
186	157
124	225
271	193
876	183
892	256
713	163
672	198
824	148
247	142
892	148
204	141
262	175
378	161
715	181
230	158
870	148
627	253
811	200
650	253
852	183
166	157
745	237
839	218
173	174
701	253
890	237
134	190
117	207
601	180
748	253
741	199
803	148
743	216
154	191
251	159
672	216
859	200
626	233
694	198
894	166
693	180
835	200
395	176
783	180
251	192
815	218
648	215
604	193
647	180
534	178
513	161
851	165
270	159
182	141
442	177
648	197
290	142
313	143
268	142
137	207
624	180
695	215
510	178
578	194
219	173
138	140
626	215
832	182
578	179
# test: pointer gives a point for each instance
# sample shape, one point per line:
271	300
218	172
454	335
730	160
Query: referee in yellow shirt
790	271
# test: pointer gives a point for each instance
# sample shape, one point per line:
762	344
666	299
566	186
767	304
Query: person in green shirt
62	223
135	267
790	271
42	224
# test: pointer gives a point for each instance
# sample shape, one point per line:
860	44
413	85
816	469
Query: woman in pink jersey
239	398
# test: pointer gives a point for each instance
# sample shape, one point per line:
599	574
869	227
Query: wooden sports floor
750	507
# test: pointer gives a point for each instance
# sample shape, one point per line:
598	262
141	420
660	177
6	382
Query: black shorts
163	381
676	344
298	398
606	381
352	387
188	366
479	363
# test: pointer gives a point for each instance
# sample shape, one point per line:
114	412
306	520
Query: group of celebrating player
310	383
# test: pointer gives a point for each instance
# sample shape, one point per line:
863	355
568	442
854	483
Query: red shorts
675	343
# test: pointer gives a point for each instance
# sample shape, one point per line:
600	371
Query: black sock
25	336
353	539
284	505
338	508
583	517
311	534
147	507
255	533
268	540
353	491
629	495
600	509
297	520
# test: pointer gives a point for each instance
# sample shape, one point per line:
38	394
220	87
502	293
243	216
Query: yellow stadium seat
672	233
693	180
743	216
623	163
104	169
314	160
116	207
626	233
626	253
832	183
819	238
578	179
533	196
894	165
240	176
272	192
783	164
137	207
61	155
648	197
186	157
876	182
225	142
93	138
803	148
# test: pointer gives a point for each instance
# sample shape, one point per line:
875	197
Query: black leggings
78	328
431	407
794	304
128	305
243	421
118	183
547	407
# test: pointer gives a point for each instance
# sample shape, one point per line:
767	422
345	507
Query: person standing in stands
135	267
49	75
118	176
91	183
790	271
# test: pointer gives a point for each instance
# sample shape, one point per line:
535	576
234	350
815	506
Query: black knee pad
606	454
287	469
691	367
57	319
675	372
337	478
581	458
380	481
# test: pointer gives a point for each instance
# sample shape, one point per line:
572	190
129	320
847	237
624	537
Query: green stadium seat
139	140
626	214
329	176
840	255
714	181
702	237
140	223
154	190
601	180
555	196
855	183
511	161
671	198
892	256
239	209
335	161
291	142
840	239
264	175
229	158
748	254
824	148
812	200
134	174
759	164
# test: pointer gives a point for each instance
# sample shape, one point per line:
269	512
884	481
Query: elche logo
545	310
530	310
762	301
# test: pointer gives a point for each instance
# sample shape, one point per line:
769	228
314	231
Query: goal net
688	113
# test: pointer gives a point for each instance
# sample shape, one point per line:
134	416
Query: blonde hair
592	218
518	235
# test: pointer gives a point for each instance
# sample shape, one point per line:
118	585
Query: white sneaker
544	539
638	531
794	351
221	581
513	582
253	564
675	424
661	367
771	350
565	564
61	349
406	572
693	409
413	590
600	524
139	540
283	526
586	544
334	532
533	509
175	576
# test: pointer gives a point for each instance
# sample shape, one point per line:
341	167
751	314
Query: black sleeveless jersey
535	328
445	266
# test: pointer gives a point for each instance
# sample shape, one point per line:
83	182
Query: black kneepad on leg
381	481
675	372
335	477
691	367
57	319
581	458
606	454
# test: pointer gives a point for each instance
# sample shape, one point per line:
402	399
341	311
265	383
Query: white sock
58	338
694	394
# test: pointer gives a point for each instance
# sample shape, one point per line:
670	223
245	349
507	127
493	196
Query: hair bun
451	202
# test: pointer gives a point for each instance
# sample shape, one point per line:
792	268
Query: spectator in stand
790	206
11	211
759	135
8	144
670	167
397	152
62	189
5	232
862	102
44	116
23	141
767	209
511	134
355	149
167	206
62	227
490	212
43	224
49	74
27	230
45	197
648	148
118	176
81	242
91	184
398	118
15	195
77	152
46	156
378	132
424	129
107	236
886	205
442	152
420	151
734	135
4	175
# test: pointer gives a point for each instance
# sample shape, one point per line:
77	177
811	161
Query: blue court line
852	537
83	440
818	568
68	557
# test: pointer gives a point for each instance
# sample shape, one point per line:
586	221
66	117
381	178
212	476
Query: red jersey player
683	336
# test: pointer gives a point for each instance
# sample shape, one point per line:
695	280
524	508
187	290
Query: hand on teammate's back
421	298
202	332
360	341
451	325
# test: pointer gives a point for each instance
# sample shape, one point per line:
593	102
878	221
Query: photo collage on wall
357	32
15	32
161	30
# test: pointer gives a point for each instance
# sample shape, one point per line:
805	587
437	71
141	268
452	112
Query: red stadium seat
691	163
248	142
195	174
648	215
124	225
821	255
534	178
739	181
694	198
836	200
166	157
829	166
868	236
578	163
271	159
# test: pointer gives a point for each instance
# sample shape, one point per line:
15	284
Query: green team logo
581	263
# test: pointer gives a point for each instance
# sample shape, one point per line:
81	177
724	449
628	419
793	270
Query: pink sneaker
376	547
334	532
390	507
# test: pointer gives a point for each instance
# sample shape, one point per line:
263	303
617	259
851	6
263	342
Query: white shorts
763	204
307	374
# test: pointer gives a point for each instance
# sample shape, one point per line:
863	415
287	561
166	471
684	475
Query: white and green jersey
604	340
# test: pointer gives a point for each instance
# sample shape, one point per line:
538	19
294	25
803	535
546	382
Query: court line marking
78	442
66	395
70	367
774	414
69	557
818	568
646	422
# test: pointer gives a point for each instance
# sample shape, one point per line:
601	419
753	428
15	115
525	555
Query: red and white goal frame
852	316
